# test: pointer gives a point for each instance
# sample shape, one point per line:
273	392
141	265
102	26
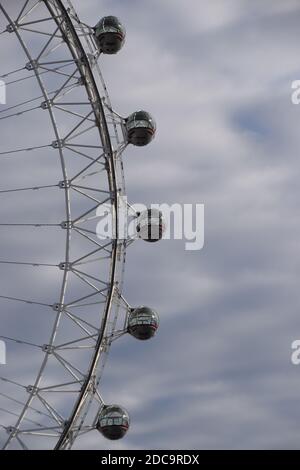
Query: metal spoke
31	302
4	379
82	278
27	102
19	341
20	17
79	321
81	231
55	415
83	154
12	72
75	341
90	276
33	188
67	366
56	70
26	149
37	21
70	304
67	137
20	113
16	414
91	189
36	265
57	386
100	247
18	402
86	168
64	85
82	218
36	225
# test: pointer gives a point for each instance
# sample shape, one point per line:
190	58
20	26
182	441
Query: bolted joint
32	65
32	389
47	104
67	224
12	431
64	184
58	144
10	28
58	307
48	348
64	266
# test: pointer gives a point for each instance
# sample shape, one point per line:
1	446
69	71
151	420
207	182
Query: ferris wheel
61	295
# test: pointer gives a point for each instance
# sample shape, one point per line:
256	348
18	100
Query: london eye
62	306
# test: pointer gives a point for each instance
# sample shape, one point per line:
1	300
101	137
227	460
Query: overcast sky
217	77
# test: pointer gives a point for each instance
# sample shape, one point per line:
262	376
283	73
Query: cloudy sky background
217	77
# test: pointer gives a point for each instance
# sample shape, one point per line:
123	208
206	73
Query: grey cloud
217	76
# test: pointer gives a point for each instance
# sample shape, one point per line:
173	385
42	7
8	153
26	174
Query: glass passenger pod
110	35
151	225
113	422
143	323
140	128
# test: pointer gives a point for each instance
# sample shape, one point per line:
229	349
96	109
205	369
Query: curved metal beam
79	53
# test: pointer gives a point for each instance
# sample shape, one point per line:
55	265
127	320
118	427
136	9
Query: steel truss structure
60	54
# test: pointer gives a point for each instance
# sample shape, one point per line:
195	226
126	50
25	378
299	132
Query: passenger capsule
109	34
143	323
150	225
140	128
113	422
